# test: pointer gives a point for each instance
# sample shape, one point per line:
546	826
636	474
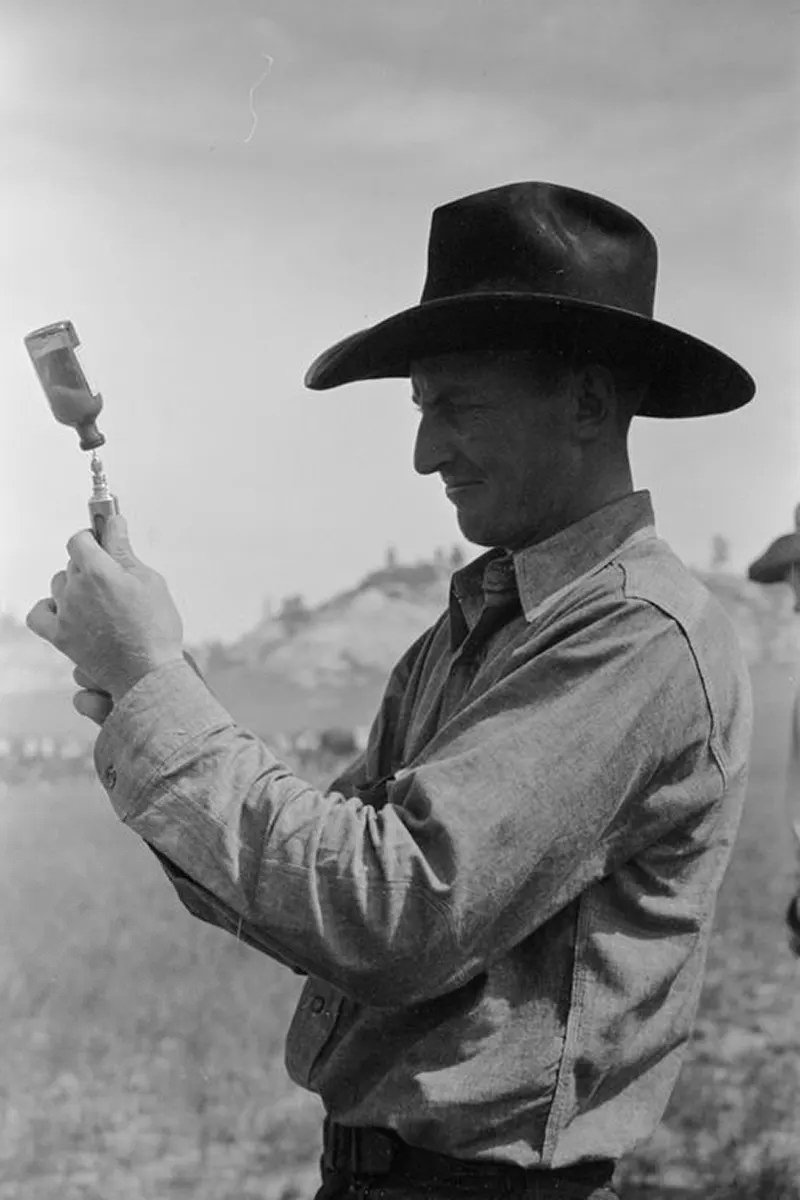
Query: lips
457	488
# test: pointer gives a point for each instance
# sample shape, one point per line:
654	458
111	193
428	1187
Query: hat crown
541	267
544	239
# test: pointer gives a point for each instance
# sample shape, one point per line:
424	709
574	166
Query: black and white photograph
400	600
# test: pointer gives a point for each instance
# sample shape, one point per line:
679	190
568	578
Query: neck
602	488
587	493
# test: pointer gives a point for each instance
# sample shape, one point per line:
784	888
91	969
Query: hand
109	613
91	701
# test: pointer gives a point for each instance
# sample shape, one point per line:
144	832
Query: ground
142	1051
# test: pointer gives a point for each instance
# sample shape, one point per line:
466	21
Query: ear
595	401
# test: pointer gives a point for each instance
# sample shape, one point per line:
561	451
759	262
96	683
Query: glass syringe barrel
102	504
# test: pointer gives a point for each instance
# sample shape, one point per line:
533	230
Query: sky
214	191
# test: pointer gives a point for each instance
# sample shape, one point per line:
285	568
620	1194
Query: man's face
498	433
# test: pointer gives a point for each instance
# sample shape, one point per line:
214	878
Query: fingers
85	681
85	551
57	585
116	541
97	706
43	620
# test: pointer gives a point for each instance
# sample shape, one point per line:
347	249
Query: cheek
538	473
494	439
545	444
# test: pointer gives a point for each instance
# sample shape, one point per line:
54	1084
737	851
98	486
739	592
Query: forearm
205	906
332	886
521	802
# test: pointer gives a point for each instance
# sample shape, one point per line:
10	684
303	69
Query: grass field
142	1051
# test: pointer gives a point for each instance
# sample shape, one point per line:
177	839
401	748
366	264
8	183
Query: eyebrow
443	396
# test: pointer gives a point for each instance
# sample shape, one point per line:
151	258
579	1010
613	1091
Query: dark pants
371	1164
393	1187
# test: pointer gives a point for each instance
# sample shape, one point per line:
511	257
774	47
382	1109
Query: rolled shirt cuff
165	710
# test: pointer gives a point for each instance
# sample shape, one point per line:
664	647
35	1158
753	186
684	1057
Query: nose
431	449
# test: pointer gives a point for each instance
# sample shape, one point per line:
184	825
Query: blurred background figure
781	564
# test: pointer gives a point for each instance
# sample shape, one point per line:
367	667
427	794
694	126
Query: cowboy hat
780	562
536	265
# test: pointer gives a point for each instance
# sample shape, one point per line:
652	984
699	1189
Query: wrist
118	688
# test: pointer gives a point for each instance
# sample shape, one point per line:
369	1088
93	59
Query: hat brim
778	561
686	377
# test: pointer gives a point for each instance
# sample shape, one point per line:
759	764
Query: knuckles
81	549
39	619
58	582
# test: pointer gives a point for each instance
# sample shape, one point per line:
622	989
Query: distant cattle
339	742
307	741
44	757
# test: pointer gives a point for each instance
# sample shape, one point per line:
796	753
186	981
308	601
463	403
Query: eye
443	408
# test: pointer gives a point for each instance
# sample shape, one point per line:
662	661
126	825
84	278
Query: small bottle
53	352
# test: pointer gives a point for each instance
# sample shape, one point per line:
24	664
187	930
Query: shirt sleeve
583	751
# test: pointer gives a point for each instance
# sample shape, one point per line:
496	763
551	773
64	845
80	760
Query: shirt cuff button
317	1005
110	777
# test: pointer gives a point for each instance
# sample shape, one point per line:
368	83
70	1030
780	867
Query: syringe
53	352
102	504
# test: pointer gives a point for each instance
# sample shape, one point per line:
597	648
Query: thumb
116	541
94	705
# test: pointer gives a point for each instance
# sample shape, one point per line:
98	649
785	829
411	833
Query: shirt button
110	777
317	1005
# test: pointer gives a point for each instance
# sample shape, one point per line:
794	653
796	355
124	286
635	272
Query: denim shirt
503	906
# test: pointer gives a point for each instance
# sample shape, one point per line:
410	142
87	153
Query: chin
478	532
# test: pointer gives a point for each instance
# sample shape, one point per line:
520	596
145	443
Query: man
503	906
780	563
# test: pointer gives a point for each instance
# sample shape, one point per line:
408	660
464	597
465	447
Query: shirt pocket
310	1030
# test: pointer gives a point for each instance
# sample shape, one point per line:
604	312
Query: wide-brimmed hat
781	560
536	265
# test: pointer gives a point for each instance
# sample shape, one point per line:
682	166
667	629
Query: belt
354	1152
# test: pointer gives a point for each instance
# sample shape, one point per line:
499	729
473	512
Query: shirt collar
545	568
580	549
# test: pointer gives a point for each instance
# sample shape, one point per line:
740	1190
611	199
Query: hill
323	667
327	666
